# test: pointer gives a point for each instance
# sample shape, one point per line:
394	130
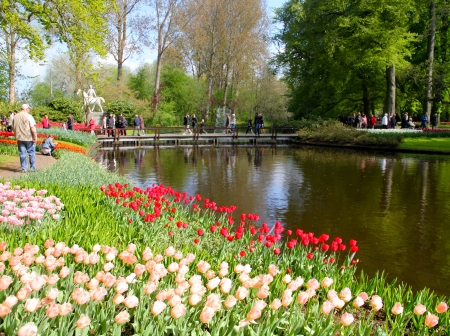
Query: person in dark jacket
434	120
186	123
393	121
249	126
70	122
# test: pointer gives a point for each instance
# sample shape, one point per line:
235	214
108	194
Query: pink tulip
327	307
178	255
195	299
347	319
80	296
213	301
313	283
223	272
52	279
131	248
311	292
131	301
23	293
99	294
286	299
431	320
169	252
158	258
64	272
121	287
53	293
230	301
203	266
364	296
10	301
122	317
239	268
83	322
253	314
326	282
331	294
37	283
64	309
4	310
31	305
118	299
210	274
108	266
178	310
302	298
358	302
80	278
158	307
150	287
263	292
287	279
345	294
173	267
338	303
147	254
213	283
441	308
397	309
109	280
241	293
174	300
376	302
420	309
273	270
52	311
29	329
206	314
5	281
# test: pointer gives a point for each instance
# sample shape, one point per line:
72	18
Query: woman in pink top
364	121
92	125
46	122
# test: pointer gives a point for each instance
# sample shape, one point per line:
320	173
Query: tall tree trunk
11	51
122	40
390	90
366	100
430	59
157	80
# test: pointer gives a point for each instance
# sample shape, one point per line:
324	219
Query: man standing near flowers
24	127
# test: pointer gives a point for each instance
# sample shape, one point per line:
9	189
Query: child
48	146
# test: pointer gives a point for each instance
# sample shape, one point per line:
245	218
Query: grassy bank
438	144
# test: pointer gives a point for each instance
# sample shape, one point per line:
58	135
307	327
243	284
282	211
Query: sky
36	70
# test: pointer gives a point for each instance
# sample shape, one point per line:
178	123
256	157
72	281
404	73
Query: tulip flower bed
155	261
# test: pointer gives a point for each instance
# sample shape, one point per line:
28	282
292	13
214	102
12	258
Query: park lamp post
51	78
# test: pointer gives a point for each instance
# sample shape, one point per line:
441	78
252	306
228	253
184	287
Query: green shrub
128	109
67	106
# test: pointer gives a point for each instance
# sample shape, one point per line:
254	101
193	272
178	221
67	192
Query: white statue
90	100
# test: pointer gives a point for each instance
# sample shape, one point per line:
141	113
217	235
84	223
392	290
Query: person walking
249	126
110	125
186	123
233	123
202	126
24	127
70	122
424	121
227	123
393	121
10	122
384	121
194	122
373	121
137	124
142	124
104	124
434	120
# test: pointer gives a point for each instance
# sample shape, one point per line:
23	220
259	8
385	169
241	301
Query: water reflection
396	206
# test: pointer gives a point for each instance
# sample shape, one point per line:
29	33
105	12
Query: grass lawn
426	143
5	159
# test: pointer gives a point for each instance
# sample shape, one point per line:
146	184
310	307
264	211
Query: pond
396	206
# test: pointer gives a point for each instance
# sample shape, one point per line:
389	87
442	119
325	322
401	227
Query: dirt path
12	169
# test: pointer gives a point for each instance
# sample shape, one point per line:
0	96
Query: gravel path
12	169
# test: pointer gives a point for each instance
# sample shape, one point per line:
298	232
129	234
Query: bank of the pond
409	145
10	165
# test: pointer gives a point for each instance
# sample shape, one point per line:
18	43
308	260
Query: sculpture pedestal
98	116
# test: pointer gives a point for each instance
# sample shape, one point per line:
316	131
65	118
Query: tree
142	82
335	54
79	24
125	36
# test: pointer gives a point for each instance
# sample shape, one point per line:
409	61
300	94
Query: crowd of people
388	121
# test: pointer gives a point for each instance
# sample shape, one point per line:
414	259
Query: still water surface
396	206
